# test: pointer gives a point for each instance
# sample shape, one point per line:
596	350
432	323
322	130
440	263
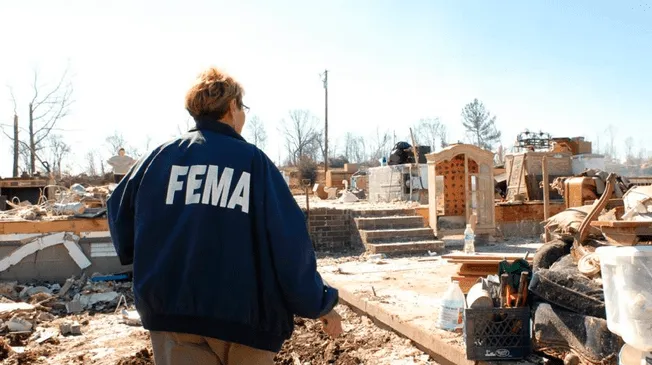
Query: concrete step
382	212
396	235
405	247
395	222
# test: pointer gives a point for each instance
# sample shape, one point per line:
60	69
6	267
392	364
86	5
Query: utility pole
16	146
325	80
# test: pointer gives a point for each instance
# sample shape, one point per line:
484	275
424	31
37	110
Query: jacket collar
217	127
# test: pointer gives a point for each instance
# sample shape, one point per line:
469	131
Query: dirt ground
362	343
105	340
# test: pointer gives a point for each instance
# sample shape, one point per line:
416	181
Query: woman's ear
233	107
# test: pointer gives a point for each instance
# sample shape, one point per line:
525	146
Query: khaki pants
180	349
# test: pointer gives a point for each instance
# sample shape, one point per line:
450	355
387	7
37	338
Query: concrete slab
404	295
404	247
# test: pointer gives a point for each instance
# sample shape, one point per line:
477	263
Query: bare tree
629	150
256	132
332	148
480	125
24	154
16	150
443	137
349	145
380	145
91	167
301	135
16	139
48	105
354	148
611	147
115	142
428	131
58	150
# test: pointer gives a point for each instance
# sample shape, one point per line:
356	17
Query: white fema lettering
216	187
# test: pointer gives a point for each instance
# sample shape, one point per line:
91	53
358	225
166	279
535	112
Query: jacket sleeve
121	213
304	291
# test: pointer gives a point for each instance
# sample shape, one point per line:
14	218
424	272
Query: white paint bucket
632	356
479	297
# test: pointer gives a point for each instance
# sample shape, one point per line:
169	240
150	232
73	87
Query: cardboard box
351	167
584	147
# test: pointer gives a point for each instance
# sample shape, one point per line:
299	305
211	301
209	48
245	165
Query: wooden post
306	188
466	186
16	146
416	161
546	194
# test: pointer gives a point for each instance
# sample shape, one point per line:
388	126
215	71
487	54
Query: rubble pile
622	184
569	310
74	201
34	317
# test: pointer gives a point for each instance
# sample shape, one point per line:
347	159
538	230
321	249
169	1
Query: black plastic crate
497	333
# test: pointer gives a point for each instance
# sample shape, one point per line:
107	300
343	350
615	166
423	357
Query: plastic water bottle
469	238
383	161
451	308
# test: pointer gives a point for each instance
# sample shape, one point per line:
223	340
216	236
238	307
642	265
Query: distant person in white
121	165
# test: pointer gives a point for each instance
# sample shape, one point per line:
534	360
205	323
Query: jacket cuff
331	299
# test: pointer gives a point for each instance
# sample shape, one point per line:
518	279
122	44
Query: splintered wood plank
620	238
23	183
622	224
69	225
484	257
478	269
623	233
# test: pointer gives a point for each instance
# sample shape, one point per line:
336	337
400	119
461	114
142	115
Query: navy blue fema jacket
218	244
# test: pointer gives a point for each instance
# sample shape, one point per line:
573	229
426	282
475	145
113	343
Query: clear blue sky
567	69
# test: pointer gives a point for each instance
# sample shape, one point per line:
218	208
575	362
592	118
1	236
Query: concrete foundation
55	263
404	295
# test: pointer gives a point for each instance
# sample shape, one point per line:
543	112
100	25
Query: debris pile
33	317
75	201
594	191
570	311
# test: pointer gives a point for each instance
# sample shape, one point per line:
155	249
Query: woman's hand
332	323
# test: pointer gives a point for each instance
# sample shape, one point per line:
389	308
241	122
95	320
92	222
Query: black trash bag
559	333
401	154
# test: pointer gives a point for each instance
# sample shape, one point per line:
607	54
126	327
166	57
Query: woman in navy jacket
222	259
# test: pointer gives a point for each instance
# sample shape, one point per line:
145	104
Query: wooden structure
525	173
624	233
576	145
474	266
461	184
22	188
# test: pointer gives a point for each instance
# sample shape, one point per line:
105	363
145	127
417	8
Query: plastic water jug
469	240
451	308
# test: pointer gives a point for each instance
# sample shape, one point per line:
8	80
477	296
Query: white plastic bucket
627	283
630	356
